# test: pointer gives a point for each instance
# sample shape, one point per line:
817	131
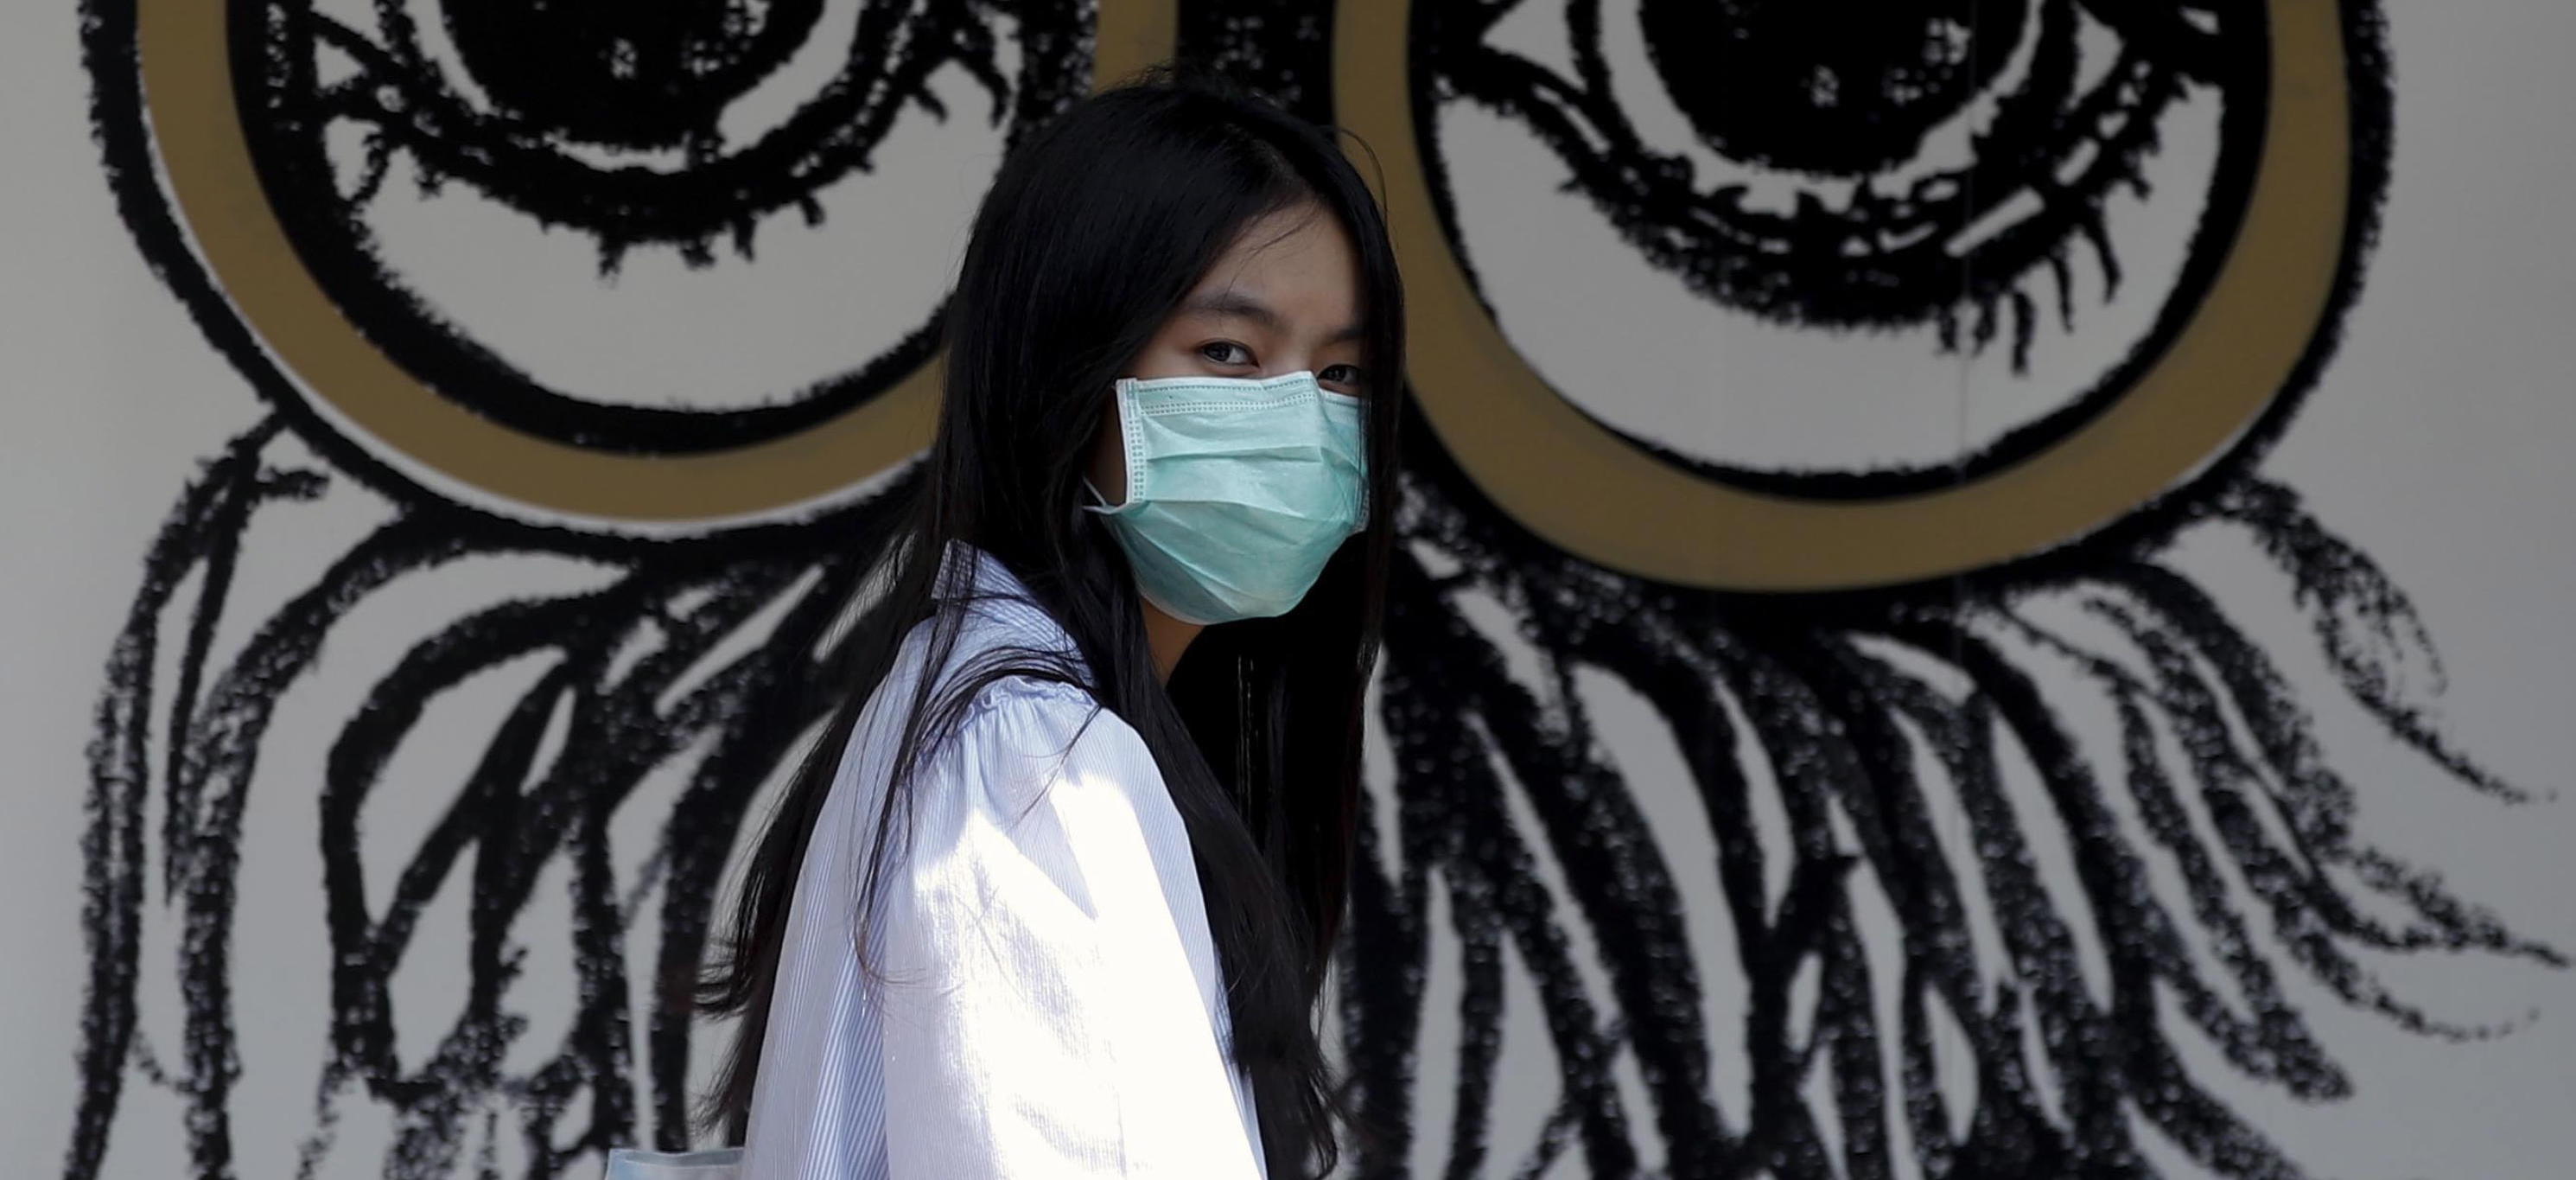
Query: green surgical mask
1238	491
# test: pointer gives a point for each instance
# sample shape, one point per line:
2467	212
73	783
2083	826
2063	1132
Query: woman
1109	706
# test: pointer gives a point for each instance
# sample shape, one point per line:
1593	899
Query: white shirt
1053	1006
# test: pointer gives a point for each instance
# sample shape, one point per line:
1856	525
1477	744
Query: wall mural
1852	653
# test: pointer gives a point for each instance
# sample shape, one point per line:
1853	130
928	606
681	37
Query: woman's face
1284	297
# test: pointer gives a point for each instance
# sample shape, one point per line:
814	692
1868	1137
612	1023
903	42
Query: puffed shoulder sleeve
1046	1009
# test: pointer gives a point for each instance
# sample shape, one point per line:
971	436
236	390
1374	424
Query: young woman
1054	896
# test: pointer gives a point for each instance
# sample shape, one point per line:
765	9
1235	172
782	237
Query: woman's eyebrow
1230	303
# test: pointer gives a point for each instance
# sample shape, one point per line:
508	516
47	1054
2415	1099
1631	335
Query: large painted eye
504	253
1856	188
1787	241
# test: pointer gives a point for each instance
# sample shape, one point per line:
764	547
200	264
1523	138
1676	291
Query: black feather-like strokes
1928	747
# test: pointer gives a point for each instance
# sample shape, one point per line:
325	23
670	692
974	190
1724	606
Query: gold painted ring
390	413
1584	489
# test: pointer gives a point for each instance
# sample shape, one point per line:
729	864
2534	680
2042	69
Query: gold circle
188	91
1584	489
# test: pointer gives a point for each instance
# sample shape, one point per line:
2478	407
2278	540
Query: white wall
2435	442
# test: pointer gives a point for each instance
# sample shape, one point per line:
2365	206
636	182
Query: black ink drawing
1856	710
614	79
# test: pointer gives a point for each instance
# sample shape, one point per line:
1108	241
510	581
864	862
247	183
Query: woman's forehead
1294	264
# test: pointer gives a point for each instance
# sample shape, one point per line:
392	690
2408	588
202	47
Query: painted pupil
621	73
1835	87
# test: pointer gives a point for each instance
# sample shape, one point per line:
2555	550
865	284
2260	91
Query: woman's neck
1167	638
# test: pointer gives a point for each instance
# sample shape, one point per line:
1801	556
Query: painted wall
1917	654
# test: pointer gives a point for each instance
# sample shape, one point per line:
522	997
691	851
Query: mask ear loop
1127	448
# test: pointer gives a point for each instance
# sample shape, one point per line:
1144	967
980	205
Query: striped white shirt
1051	1003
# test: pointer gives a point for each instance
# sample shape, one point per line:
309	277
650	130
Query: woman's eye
1349	375
1226	352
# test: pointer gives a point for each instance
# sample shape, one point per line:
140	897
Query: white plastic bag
626	1163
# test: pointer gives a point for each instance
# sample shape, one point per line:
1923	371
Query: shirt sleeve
1045	1008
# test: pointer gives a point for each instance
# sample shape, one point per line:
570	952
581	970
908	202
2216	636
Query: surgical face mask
1238	491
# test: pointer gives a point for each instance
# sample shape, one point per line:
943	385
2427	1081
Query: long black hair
1096	227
